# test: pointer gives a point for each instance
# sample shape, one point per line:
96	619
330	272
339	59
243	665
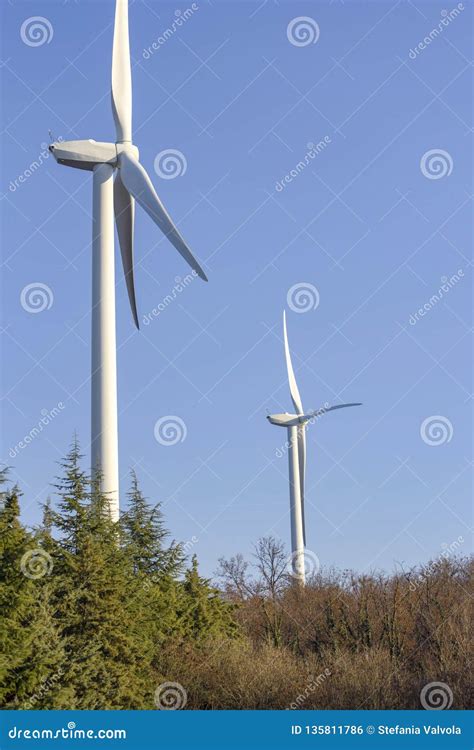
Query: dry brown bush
343	641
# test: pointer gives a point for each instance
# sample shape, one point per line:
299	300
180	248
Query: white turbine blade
122	74
137	182
302	469
324	410
295	394
124	208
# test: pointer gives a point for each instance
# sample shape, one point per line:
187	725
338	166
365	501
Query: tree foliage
89	606
98	615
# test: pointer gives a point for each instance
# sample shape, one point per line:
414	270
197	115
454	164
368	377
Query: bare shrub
380	637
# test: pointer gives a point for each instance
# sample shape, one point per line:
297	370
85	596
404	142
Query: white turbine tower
118	197
296	425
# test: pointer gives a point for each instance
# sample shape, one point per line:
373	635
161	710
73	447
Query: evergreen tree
88	607
144	536
30	638
46	527
73	489
15	594
96	598
205	613
155	568
42	682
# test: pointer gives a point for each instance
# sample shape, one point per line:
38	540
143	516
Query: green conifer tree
15	593
30	635
144	536
205	613
89	608
96	598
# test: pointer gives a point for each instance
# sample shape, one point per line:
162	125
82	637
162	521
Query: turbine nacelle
287	420
84	154
293	420
88	154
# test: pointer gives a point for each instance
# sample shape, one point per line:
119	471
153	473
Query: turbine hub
128	148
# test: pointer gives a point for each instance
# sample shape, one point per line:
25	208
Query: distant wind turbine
296	425
118	197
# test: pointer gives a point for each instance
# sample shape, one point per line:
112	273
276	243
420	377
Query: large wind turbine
296	425
118	197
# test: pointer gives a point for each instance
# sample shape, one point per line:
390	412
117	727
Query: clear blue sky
362	223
